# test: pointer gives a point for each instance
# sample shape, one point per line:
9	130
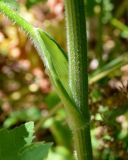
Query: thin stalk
78	77
14	17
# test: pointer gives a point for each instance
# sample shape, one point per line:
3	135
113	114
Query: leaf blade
12	141
58	58
37	151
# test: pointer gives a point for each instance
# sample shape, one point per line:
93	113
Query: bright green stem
78	77
28	28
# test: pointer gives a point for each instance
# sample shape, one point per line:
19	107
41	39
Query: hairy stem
13	16
78	77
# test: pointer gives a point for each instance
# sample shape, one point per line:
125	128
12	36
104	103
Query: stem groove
78	76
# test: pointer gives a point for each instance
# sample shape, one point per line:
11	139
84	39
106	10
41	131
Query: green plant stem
28	28
78	77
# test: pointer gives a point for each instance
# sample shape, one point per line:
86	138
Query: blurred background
26	93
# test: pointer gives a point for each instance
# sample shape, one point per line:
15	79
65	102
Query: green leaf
37	151
12	141
57	60
17	144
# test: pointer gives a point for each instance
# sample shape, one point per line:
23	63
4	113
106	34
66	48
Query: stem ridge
78	76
